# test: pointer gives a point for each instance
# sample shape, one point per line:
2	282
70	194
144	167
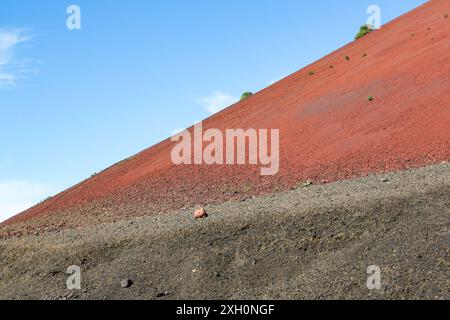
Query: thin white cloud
11	68
17	196
216	101
179	130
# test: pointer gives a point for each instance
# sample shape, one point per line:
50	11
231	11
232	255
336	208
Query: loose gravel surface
311	243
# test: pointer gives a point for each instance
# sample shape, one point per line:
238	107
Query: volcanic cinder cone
329	129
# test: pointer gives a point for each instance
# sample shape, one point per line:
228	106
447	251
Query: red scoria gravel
328	129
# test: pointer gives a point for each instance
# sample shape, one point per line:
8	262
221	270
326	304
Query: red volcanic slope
328	129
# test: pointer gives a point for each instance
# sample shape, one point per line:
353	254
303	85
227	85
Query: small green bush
347	58
365	29
246	95
46	199
370	98
306	184
311	73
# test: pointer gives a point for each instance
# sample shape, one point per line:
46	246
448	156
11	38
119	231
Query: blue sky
73	102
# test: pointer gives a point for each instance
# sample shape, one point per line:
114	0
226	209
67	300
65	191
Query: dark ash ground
311	243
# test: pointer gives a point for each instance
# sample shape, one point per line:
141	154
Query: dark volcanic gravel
312	243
